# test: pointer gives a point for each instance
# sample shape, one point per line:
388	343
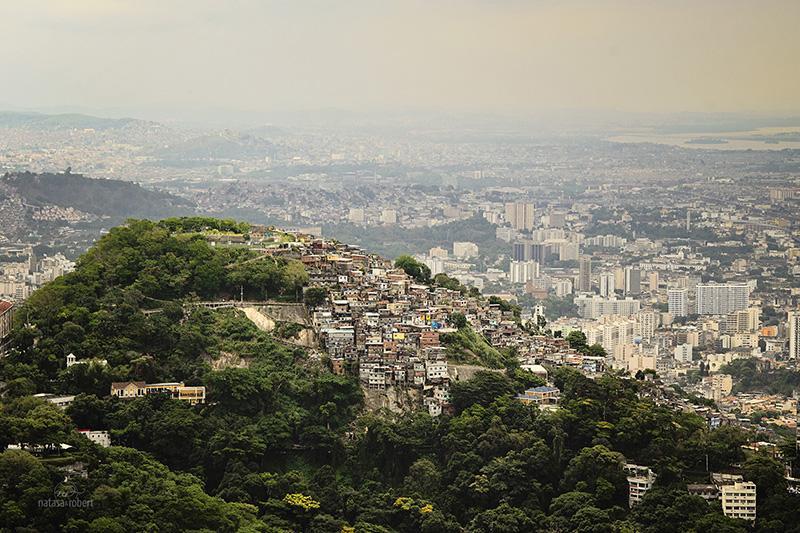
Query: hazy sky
468	55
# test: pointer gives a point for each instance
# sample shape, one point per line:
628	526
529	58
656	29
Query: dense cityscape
426	264
399	267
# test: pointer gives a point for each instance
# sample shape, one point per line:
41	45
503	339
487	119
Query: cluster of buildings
394	332
22	272
737	496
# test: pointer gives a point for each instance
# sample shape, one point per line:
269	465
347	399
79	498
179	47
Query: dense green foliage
467	346
393	241
417	270
577	341
97	311
282	444
749	377
204	224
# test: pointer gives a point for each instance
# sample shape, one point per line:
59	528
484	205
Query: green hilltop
283	444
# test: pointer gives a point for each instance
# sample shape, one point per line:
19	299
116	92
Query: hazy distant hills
101	197
12	119
217	147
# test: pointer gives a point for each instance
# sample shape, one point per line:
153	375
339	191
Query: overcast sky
468	55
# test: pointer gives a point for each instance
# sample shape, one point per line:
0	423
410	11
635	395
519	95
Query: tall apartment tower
652	280
585	274
722	298
633	280
678	302
523	271
520	215
794	335
607	283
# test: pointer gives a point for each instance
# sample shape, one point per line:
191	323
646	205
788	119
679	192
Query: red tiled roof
5	306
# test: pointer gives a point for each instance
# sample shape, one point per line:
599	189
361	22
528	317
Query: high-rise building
683	353
505	234
554	220
465	249
647	322
389	216
568	251
678	302
722	298
594	306
520	215
633	280
436	264
585	274
563	287
356	215
520	251
794	334
652	280
610	332
607	284
437	251
538	252
529	251
619	278
745	321
523	271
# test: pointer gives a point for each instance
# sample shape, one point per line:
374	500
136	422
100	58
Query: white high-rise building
562	287
678	302
523	271
356	215
465	249
607	284
437	251
610	332
436	264
568	251
647	324
722	298
652	280
520	215
794	334
683	353
594	306
389	216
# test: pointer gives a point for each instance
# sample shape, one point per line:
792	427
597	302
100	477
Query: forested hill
102	197
282	444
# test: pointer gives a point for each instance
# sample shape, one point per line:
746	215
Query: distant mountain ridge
14	119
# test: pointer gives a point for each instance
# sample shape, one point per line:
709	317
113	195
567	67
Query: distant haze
514	56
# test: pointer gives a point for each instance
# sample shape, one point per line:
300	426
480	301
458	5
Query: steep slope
105	198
